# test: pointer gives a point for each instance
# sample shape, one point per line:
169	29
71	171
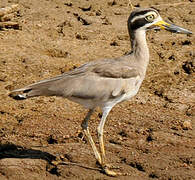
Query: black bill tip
176	29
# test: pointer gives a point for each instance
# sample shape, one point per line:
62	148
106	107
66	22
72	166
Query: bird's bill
171	27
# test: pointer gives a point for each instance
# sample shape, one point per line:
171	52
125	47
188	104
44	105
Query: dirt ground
150	137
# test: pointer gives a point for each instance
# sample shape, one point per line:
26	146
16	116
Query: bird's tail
20	94
41	88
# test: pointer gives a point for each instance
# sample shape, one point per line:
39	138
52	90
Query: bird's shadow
14	151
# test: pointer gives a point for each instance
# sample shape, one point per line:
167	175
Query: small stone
62	157
85	7
114	43
111	2
187	125
68	3
105	21
39	25
190	111
117	13
186	42
81	36
98	13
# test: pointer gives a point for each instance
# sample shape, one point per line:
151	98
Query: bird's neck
140	48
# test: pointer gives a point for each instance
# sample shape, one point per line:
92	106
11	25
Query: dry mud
150	137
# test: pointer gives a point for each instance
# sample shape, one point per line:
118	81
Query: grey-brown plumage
99	81
105	83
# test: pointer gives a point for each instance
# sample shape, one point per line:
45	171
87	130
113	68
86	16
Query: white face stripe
143	16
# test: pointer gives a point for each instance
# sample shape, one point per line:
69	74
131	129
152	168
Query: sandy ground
150	137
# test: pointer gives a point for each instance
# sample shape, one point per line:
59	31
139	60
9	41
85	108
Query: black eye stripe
138	23
137	19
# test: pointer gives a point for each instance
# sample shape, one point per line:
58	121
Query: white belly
126	96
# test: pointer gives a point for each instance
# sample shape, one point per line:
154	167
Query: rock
21	168
105	21
189	67
114	43
190	111
85	7
68	3
187	125
81	36
111	2
84	20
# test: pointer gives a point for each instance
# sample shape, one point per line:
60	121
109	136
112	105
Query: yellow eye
150	17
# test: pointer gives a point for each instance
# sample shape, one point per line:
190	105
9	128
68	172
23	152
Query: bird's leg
100	135
84	126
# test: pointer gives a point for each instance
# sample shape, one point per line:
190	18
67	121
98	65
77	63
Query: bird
107	82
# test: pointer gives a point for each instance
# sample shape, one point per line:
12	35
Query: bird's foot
112	166
107	171
55	162
109	166
59	159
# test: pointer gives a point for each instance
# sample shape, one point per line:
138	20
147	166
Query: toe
111	166
109	172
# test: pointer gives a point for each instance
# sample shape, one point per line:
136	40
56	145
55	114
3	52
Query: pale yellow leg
87	133
101	141
97	155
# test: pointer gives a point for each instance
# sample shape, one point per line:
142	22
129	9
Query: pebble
187	125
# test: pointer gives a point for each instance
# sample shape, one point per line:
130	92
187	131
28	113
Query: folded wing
97	79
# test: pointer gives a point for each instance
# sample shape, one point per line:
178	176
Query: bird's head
149	18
